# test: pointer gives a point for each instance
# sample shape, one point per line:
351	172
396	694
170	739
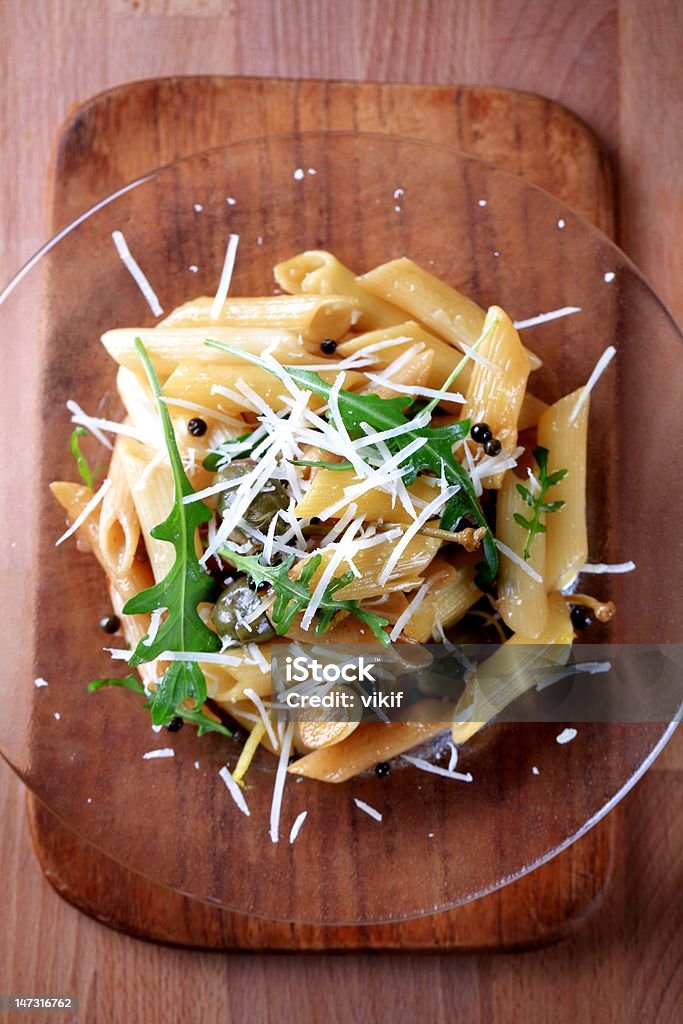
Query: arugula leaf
202	721
388	413
537	502
81	462
130	682
182	589
293	596
197	716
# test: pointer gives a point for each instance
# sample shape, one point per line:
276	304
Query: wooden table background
617	64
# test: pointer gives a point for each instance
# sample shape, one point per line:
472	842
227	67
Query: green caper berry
232	609
267	503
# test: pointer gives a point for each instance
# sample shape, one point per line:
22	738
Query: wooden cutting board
122	134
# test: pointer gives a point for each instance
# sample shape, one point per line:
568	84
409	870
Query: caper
268	502
232	610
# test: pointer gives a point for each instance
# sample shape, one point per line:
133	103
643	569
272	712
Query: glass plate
498	239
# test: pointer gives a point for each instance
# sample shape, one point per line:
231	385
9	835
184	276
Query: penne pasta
315	317
371	743
496	389
317	272
197	383
152	490
328	488
444	361
510	672
451	594
566	441
522	600
426	298
74	498
119	526
170	346
414	373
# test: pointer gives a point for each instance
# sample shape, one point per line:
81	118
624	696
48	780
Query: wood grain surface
170	118
617	65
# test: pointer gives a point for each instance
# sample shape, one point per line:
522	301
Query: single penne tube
512	670
119	525
522	599
445	357
566	440
200	384
151	486
452	592
426	298
329	487
317	272
169	346
369	744
496	388
74	498
370	562
315	317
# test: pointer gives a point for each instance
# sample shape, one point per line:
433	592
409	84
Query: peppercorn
328	346
493	447
382	769
175	724
197	427
581	617
481	433
110	623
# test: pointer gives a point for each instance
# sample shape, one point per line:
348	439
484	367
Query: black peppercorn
328	346
382	769
481	433
110	623
581	617
175	724
197	427
493	447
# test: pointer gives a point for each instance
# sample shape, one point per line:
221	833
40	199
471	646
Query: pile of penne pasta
398	330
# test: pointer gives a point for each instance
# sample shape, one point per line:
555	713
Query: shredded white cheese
154	624
427	513
136	273
600	367
40	682
514	557
604	567
256	700
372	811
162	752
296	827
280	779
544	318
226	276
405	616
233	789
435	769
566	736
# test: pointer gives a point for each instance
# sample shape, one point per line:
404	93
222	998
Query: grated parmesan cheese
405	616
226	276
296	827
544	318
162	752
514	557
600	367
372	811
133	268
604	567
280	779
566	736
233	789
435	769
